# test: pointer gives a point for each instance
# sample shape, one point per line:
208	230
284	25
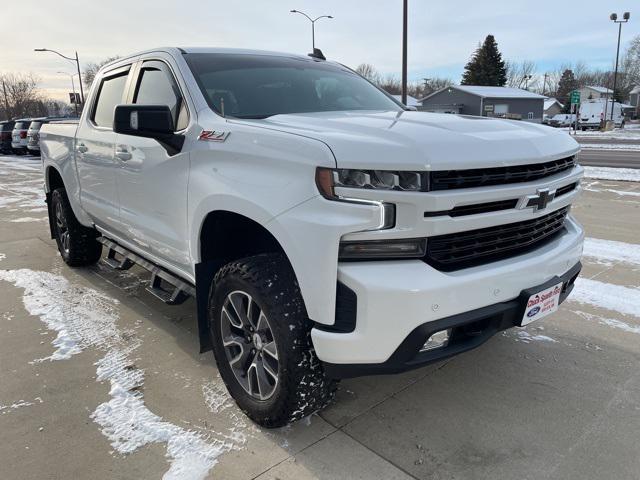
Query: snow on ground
526	337
629	147
617	298
85	318
610	322
610	173
612	251
630	131
21	186
19	404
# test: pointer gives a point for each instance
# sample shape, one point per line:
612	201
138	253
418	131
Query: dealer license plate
542	304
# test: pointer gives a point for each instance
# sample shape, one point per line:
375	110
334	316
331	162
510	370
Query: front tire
262	341
77	244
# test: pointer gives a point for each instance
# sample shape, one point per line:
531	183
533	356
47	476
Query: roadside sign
575	97
74	98
488	108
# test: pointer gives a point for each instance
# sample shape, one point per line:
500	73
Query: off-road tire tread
84	249
305	386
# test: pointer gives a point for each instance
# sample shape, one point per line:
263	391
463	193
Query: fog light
437	340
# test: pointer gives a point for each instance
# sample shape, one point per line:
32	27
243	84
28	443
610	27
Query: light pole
526	81
313	25
73	88
625	18
70	59
405	13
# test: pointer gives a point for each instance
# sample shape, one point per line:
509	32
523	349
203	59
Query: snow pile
612	251
610	173
621	299
86	318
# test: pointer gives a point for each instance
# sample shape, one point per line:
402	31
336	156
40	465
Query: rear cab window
21	126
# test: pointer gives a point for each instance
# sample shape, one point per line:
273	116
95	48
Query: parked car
594	112
6	128
33	134
325	231
19	136
563	120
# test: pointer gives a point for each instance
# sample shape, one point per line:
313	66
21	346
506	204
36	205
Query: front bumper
397	298
469	330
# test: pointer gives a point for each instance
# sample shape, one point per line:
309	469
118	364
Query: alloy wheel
62	228
249	345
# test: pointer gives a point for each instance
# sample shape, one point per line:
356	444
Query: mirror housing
148	121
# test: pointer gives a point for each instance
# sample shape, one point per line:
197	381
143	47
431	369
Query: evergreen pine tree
566	85
486	66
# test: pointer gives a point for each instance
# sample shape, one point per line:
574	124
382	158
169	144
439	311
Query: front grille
475	209
476	247
482	177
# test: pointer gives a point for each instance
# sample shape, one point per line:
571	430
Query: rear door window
21	126
110	95
156	86
35	125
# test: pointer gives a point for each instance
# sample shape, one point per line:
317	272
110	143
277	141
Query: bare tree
90	70
20	95
522	74
369	72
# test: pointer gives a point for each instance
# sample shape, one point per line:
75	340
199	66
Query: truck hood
411	140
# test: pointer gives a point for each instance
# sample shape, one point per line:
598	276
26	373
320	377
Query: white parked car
326	231
563	120
19	136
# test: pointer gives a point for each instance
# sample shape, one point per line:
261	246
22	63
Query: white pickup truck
325	231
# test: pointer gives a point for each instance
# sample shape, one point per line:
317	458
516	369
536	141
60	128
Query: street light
73	88
614	18
526	81
70	59
313	25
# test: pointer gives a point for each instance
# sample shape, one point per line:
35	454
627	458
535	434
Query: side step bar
176	292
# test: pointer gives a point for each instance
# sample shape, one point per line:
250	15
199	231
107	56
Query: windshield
258	86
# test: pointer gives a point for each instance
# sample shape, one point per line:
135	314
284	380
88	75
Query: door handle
123	155
81	148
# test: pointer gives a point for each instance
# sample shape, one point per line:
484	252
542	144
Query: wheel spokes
249	344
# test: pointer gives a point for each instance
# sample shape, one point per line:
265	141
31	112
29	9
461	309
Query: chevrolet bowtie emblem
540	200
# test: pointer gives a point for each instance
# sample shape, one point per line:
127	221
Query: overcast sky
442	34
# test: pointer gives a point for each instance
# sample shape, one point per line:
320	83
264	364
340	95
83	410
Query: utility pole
544	83
405	8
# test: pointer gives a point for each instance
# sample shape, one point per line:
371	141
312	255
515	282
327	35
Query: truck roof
180	50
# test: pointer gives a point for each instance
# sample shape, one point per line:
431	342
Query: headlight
379	249
327	179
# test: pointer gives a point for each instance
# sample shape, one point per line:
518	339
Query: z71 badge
213	136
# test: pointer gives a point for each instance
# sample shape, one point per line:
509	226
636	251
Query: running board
163	285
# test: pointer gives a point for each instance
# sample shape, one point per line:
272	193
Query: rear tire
77	244
262	341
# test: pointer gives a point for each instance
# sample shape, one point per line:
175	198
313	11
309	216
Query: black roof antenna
317	53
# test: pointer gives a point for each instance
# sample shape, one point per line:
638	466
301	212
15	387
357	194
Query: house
634	100
411	101
502	102
552	107
593	93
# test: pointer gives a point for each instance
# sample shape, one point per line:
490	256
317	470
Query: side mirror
149	121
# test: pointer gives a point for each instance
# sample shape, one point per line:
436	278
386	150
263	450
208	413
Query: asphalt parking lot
100	380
